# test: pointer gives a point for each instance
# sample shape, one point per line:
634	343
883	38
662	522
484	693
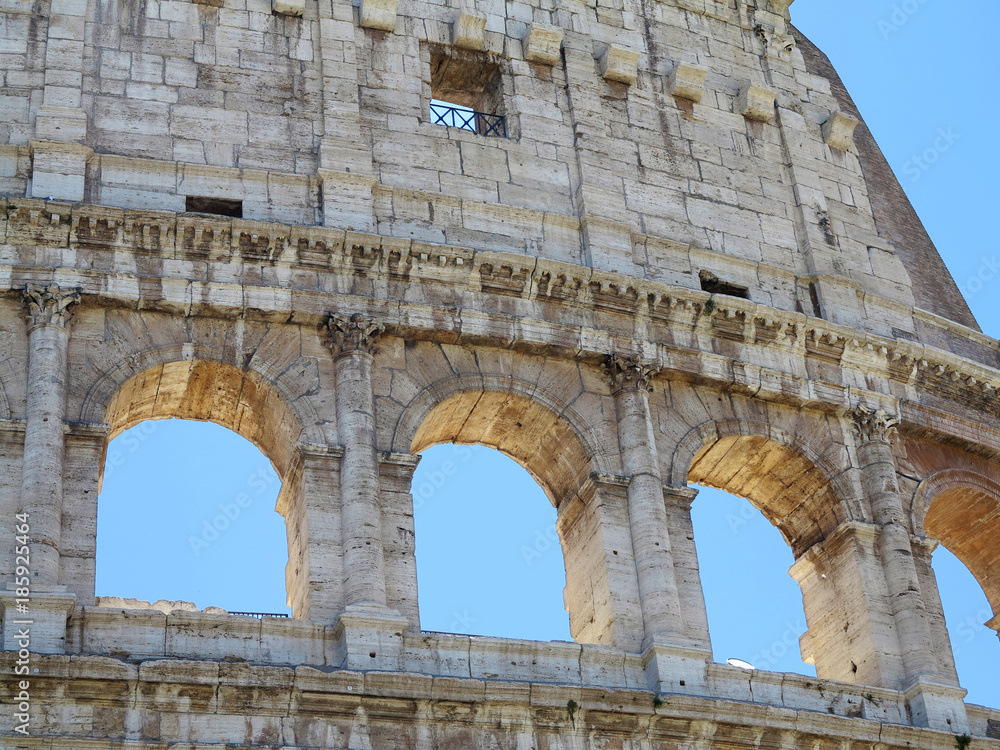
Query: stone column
661	613
686	571
44	437
353	344
874	431
932	701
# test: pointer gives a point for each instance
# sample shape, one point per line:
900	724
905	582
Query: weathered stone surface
622	295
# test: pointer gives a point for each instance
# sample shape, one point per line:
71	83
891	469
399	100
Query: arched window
186	512
755	611
489	561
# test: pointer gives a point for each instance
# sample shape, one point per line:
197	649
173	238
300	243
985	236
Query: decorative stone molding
379	14
687	82
469	30
619	64
838	131
542	43
629	372
49	304
874	425
756	103
776	43
354	334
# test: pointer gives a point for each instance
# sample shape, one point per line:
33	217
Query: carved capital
874	425
629	373
49	304
354	334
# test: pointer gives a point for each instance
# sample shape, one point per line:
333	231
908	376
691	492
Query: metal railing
468	119
259	615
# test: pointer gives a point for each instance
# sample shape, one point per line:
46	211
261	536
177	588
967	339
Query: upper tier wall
677	141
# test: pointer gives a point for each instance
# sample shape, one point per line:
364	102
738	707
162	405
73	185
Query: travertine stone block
687	81
756	103
542	43
64	124
619	64
469	30
42	629
779	6
379	14
58	170
675	669
289	7
370	639
838	131
940	707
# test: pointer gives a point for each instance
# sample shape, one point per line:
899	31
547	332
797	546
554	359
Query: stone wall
672	270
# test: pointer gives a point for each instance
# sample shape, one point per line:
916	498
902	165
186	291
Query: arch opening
792	492
487	551
755	611
966	519
548	447
240	409
528	432
186	514
974	645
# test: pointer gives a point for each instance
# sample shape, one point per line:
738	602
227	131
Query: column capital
629	373
353	334
49	304
874	425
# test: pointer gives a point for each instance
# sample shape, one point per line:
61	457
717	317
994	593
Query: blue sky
200	524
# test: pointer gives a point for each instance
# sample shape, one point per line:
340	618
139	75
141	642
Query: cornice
618	312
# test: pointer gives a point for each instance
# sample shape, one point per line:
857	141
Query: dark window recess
467	92
219	206
710	283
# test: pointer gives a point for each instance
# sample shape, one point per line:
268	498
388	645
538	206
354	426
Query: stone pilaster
49	311
678	502
601	595
398	534
353	343
661	616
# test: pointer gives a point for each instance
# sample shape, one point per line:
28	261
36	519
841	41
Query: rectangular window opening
713	285
467	92
198	204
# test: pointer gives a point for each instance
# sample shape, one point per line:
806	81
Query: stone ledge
802	706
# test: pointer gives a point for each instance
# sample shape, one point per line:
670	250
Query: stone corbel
838	131
469	30
542	43
289	7
619	64
58	170
687	82
379	14
756	103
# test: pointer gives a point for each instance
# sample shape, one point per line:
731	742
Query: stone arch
97	399
961	508
513	416
565	455
804	494
240	400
